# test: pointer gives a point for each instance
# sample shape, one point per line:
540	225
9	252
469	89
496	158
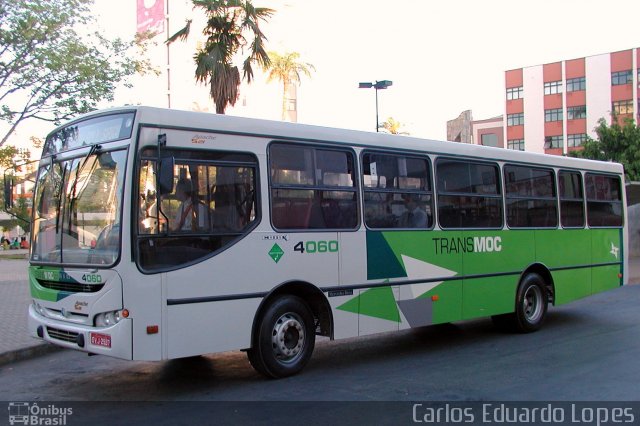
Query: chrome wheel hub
287	337
532	304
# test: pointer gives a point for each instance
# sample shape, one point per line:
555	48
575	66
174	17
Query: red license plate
98	339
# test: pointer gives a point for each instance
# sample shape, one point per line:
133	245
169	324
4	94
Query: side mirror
106	161
165	175
8	191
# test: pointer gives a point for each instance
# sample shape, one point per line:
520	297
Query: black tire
531	306
284	338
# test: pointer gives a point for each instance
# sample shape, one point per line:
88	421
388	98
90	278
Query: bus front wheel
284	338
531	306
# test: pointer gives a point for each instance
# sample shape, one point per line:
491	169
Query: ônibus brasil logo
27	413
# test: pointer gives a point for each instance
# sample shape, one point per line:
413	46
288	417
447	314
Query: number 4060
316	246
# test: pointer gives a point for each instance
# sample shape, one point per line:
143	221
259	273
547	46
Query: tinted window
604	200
469	194
397	191
312	188
531	197
571	200
212	205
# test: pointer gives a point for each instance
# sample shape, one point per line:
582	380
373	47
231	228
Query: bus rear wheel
284	338
531	306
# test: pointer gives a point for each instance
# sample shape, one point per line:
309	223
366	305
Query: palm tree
287	69
232	27
392	126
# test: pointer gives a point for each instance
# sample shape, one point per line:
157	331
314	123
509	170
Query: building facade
489	132
459	129
551	108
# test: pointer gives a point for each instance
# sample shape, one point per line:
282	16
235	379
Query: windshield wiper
59	197
94	149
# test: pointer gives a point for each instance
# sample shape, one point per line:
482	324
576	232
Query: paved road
588	350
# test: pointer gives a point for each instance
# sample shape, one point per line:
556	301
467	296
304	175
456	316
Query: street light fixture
378	85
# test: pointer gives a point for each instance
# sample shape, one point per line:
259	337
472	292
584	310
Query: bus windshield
77	209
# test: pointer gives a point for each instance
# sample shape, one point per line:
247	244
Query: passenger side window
604	200
531	197
469	194
571	200
212	205
397	191
312	188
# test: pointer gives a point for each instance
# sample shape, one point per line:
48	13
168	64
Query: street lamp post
378	85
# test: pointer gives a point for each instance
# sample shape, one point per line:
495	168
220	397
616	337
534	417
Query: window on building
621	77
577	139
622	107
397	191
576	84
531	197
469	194
576	112
312	188
516	144
553	114
553	141
515	119
571	200
515	93
604	200
552	87
489	139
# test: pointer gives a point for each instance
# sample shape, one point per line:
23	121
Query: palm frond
182	34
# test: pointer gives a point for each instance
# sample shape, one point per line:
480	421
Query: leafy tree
619	143
287	69
232	26
10	155
51	72
21	213
392	126
14	160
20	209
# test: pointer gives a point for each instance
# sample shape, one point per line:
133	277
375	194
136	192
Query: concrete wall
633	219
459	129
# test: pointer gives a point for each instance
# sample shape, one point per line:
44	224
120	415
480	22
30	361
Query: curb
14	256
27	353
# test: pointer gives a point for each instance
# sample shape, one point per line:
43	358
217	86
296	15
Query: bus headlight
38	308
107	319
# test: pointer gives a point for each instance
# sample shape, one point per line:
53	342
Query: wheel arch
310	294
546	275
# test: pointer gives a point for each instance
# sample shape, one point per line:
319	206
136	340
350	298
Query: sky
443	57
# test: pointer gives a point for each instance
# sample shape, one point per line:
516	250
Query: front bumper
78	337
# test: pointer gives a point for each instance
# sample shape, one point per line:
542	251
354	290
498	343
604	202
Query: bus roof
204	121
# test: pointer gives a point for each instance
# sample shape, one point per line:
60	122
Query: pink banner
150	16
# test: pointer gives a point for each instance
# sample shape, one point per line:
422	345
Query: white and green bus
160	234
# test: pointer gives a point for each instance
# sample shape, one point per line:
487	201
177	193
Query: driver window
212	205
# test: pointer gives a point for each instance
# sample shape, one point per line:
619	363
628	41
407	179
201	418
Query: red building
552	108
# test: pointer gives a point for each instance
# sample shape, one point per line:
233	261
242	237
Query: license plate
103	340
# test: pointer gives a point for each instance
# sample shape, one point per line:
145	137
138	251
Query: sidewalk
16	343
